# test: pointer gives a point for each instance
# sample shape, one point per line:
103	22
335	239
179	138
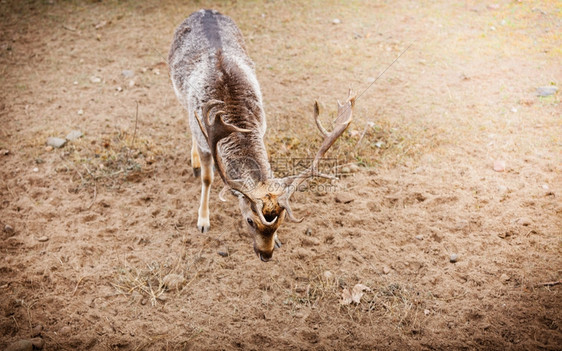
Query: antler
214	132
345	115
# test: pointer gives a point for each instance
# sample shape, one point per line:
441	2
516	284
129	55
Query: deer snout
264	256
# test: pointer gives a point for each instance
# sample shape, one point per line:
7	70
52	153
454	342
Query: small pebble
419	237
545	187
174	281
386	269
36	169
95	79
499	165
426	312
547	91
336	21
131	83
453	258
36	331
524	221
328	275
8	229
127	73
80	112
4	152
43	239
56	142
223	253
66	330
73	135
48	148
345	170
505	278
379	144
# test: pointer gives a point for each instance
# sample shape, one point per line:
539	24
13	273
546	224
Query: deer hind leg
195	160
203	222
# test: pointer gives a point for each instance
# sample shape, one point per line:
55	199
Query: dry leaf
346	297
355	294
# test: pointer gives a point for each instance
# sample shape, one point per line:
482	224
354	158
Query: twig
95	194
362	135
9	190
77	284
69	28
136	121
550	283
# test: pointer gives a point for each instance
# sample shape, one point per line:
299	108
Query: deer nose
263	255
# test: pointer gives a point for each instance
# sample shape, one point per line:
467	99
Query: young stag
214	79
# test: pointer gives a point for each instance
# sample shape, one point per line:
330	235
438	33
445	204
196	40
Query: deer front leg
203	222
195	161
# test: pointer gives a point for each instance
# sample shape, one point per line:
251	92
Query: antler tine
345	115
214	132
283	201
318	124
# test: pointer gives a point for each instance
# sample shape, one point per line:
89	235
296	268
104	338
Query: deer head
266	205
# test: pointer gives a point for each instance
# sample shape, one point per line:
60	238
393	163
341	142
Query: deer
214	79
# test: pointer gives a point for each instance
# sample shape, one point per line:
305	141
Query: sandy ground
99	248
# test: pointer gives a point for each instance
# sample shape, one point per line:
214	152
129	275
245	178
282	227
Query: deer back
208	61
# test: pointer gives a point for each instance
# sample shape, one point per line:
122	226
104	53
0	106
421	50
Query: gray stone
127	73
453	258
56	142
547	91
43	239
75	134
8	229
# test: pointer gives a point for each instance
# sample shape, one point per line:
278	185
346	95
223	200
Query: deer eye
250	222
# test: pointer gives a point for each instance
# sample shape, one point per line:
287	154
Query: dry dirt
90	230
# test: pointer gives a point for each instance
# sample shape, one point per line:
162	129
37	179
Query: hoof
203	225
197	172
